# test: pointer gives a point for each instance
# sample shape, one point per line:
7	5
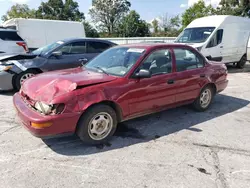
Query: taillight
23	44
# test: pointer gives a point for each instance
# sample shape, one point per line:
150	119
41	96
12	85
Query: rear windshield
10	36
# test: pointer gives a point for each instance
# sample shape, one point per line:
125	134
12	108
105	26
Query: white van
39	32
219	38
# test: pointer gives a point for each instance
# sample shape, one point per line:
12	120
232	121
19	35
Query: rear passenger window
216	39
187	60
97	47
10	36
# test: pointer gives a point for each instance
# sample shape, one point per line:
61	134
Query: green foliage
234	7
90	30
133	26
198	10
108	13
227	7
155	25
60	10
166	26
19	11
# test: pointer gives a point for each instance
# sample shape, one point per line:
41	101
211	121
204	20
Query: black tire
16	82
242	62
197	104
83	130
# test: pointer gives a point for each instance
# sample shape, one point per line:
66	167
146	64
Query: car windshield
46	49
116	61
195	35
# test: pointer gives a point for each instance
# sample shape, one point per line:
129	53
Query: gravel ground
178	148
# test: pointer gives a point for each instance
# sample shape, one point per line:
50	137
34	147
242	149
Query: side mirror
57	54
143	74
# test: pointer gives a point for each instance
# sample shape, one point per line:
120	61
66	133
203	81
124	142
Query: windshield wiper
99	68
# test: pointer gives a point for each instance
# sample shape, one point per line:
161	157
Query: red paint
132	97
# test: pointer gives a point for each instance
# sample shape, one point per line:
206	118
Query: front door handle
202	75
221	46
83	60
170	81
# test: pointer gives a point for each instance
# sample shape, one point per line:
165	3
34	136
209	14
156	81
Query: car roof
148	46
87	39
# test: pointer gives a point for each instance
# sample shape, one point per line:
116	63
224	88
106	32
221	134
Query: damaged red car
122	83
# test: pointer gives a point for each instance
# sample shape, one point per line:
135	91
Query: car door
248	49
72	55
190	74
215	49
151	94
94	48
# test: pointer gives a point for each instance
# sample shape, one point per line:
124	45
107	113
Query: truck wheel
20	78
203	102
97	125
242	62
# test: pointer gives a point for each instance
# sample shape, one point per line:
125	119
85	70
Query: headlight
49	109
43	108
5	68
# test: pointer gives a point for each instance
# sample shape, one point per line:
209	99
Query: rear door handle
202	75
221	46
170	81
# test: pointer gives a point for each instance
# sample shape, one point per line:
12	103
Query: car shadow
150	127
8	93
234	69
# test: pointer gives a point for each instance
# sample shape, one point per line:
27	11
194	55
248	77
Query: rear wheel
97	125
242	62
20	78
203	102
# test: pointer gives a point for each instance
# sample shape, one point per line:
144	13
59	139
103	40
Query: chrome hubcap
100	126
26	76
205	98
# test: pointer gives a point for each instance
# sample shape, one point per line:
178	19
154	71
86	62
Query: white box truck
39	32
219	38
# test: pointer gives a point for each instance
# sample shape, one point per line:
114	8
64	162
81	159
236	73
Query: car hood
47	86
8	57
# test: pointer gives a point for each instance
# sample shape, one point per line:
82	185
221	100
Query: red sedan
122	83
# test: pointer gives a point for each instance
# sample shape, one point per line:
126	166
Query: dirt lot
178	148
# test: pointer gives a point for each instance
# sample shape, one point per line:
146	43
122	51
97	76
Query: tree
60	10
155	25
234	7
108	13
169	26
198	10
19	11
89	30
133	26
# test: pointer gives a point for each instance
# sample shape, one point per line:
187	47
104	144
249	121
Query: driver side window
158	62
216	39
73	48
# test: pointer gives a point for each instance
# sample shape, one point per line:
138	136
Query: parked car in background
16	68
41	32
219	38
122	83
11	42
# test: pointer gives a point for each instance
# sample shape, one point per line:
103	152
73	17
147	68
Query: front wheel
97	125
23	76
203	102
242	62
